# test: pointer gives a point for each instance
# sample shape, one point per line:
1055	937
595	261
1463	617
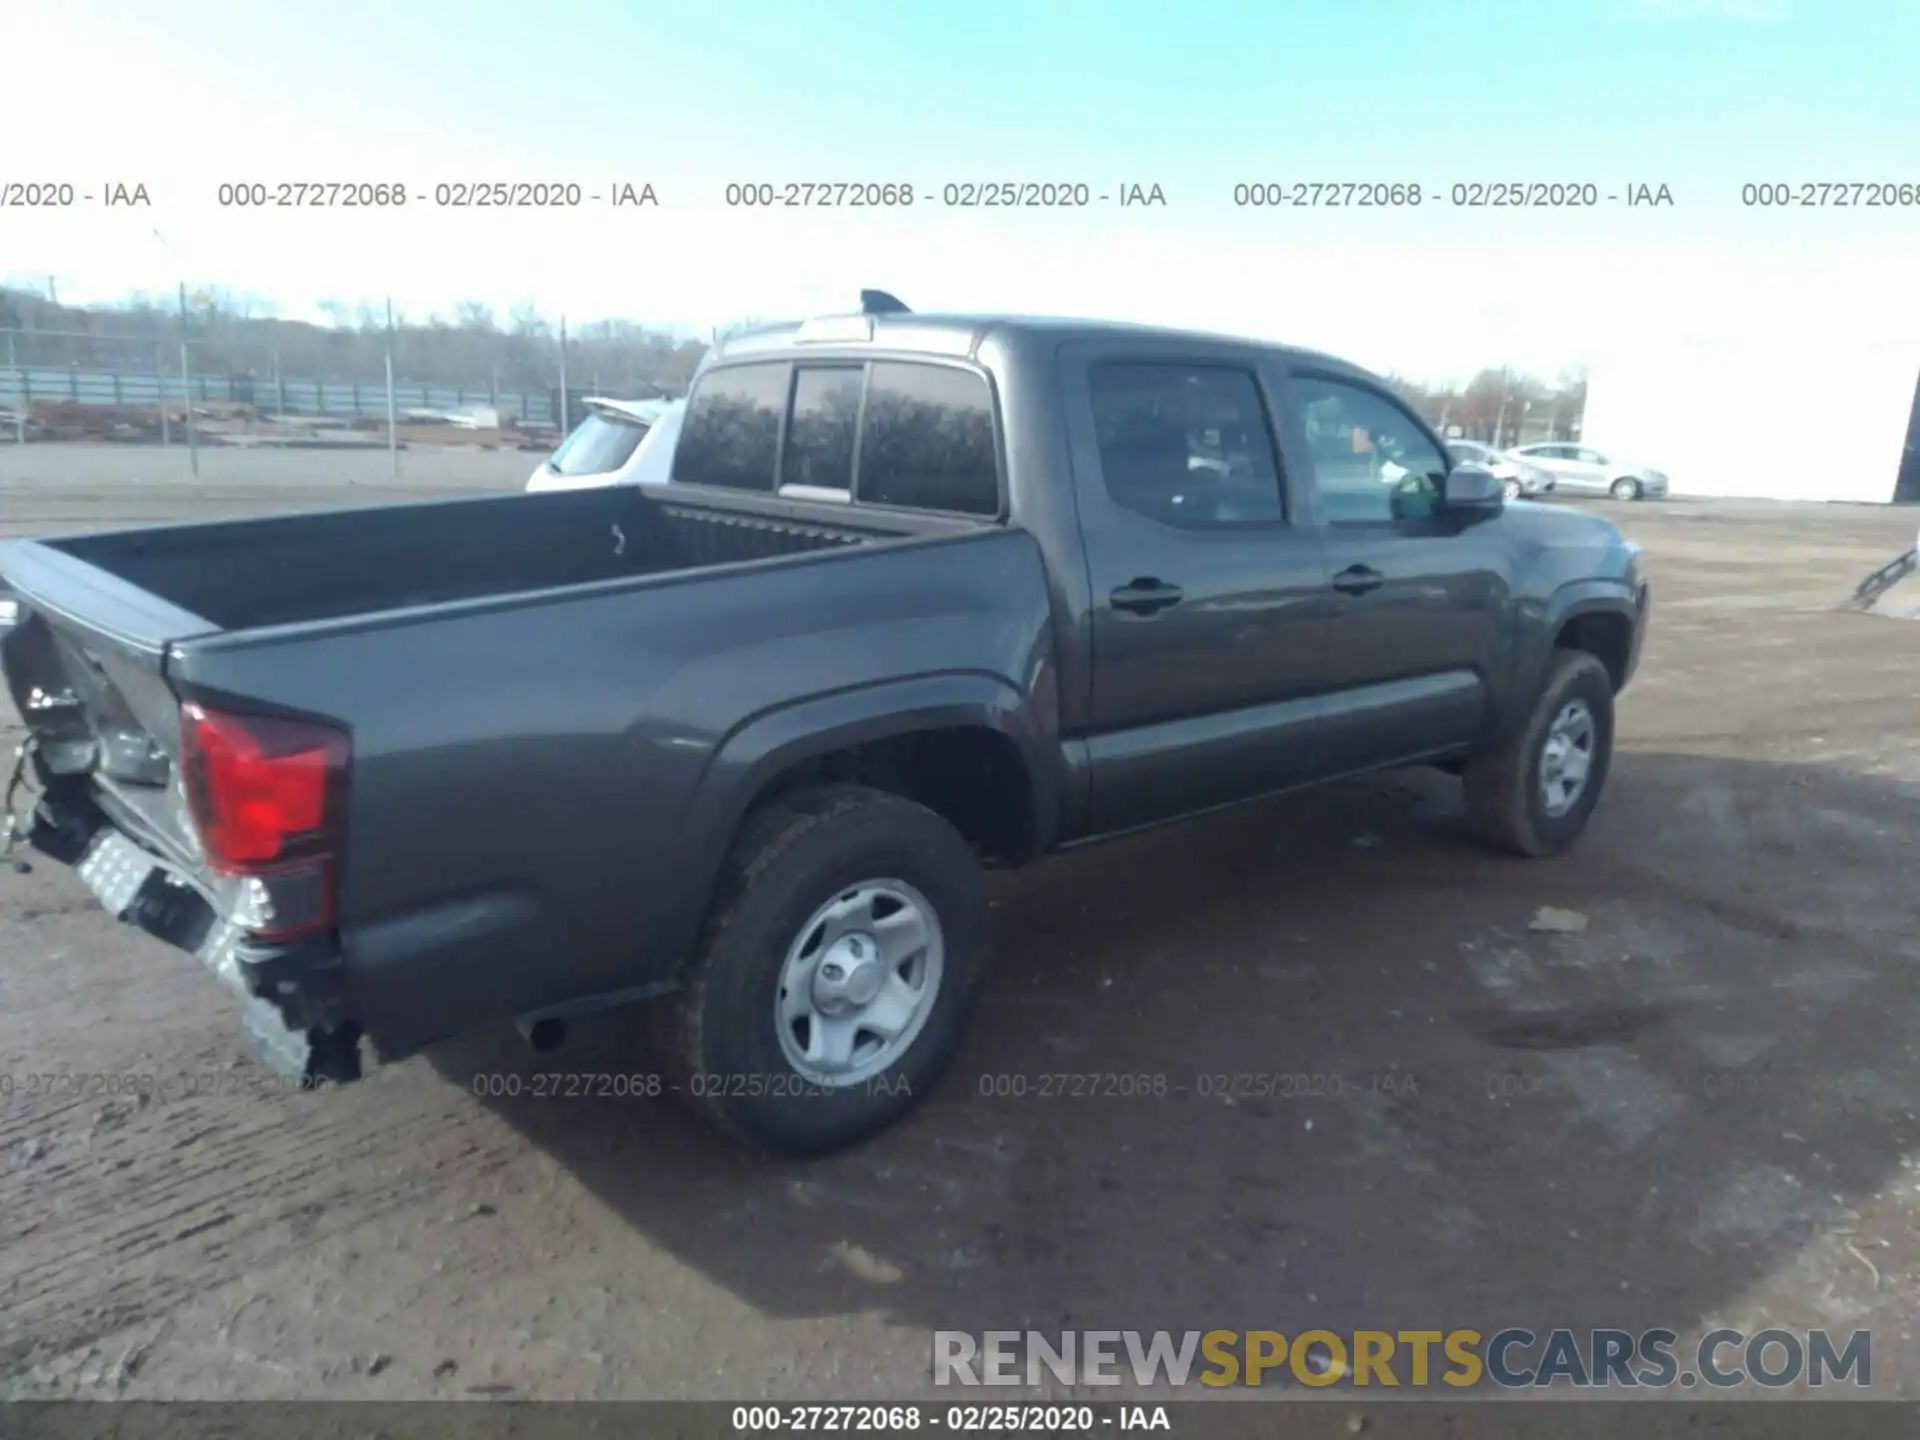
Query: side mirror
1473	488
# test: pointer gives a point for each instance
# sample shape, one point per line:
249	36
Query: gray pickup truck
926	595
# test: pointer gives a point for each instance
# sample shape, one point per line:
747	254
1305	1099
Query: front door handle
1358	580
1145	596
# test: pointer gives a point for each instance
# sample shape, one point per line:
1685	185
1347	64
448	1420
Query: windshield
599	444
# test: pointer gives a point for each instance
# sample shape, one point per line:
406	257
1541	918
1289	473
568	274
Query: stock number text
1823	194
1327	194
312	194
834	1418
819	194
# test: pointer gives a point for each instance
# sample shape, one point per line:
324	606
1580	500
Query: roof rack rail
879	302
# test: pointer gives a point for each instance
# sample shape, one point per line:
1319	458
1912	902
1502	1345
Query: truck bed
552	700
245	574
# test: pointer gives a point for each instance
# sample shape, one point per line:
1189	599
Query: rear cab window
911	434
599	445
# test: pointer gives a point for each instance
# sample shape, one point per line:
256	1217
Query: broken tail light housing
268	797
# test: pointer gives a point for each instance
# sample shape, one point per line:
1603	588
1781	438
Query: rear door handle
1145	596
1358	580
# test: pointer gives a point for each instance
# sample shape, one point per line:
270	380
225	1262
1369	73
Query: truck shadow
1322	1062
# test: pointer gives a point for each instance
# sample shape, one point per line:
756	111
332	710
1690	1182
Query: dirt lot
1698	1110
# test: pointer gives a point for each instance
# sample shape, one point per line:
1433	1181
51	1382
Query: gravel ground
1699	1109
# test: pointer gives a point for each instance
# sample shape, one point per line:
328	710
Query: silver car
1516	477
1582	470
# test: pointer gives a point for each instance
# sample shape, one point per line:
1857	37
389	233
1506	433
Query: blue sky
1699	95
1201	90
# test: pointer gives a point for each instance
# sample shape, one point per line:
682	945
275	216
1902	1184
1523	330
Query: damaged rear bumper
295	1006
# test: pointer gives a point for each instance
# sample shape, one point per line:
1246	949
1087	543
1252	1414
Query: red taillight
265	795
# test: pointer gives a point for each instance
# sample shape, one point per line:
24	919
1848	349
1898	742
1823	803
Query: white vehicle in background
1583	470
618	442
1517	478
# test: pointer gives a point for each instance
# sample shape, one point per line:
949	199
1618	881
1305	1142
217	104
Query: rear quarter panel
542	792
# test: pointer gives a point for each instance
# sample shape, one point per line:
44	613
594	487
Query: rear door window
1186	445
927	440
731	434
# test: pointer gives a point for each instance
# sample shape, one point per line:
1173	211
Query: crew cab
925	595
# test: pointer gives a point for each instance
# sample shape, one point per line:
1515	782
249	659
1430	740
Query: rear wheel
1534	794
1626	488
835	980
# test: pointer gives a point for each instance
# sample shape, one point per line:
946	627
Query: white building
1796	419
1799	380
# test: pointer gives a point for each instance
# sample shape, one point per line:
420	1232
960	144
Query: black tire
1513	490
718	1036
1504	804
1625	488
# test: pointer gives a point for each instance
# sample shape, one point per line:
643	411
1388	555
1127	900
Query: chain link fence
215	381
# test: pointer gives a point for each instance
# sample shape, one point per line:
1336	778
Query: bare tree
1569	403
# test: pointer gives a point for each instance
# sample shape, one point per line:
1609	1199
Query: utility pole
563	377
20	415
393	419
186	385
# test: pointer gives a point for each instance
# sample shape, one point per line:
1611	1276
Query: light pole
186	385
393	420
186	369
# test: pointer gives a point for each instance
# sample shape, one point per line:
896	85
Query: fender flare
1588	596
764	745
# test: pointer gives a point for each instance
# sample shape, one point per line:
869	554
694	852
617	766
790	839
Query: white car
619	442
1583	470
1517	478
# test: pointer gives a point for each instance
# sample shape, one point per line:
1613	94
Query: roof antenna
879	302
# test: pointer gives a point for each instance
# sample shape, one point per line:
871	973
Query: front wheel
1511	490
1626	488
1534	794
835	979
